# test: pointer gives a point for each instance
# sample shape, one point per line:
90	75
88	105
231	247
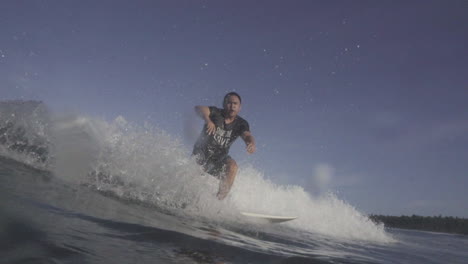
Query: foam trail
146	164
24	131
326	215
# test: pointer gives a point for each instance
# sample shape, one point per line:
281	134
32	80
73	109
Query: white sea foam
24	130
146	164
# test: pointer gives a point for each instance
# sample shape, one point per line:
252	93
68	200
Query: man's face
232	106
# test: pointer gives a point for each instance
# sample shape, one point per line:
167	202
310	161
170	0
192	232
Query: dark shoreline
442	224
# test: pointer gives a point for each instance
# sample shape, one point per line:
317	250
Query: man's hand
204	112
249	142
251	147
210	128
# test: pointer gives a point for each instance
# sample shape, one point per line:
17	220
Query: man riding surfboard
222	127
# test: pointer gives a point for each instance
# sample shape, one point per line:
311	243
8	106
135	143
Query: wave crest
146	164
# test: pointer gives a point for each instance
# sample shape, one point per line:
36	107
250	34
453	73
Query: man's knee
231	165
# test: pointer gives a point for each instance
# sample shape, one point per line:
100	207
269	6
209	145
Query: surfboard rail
270	218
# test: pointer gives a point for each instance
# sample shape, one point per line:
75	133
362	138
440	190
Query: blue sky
365	98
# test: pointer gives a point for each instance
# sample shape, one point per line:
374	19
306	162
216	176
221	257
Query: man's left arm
249	141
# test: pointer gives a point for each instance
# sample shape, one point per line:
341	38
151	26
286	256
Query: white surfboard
270	218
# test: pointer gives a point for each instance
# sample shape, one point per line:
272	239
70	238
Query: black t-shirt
225	134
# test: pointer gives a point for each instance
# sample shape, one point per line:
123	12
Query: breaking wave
145	164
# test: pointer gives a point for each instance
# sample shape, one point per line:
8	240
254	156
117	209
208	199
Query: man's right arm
204	113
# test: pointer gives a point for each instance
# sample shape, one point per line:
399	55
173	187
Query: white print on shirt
222	136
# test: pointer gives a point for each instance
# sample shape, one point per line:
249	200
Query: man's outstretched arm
249	141
204	113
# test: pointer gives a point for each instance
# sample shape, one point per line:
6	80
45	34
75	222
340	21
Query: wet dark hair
231	94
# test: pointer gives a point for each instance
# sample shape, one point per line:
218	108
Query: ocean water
76	189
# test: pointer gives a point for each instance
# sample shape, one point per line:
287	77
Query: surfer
222	127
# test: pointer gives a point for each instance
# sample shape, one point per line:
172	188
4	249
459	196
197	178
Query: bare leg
226	182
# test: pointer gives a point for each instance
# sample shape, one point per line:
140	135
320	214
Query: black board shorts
214	165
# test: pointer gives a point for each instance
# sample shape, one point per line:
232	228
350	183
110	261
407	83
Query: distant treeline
447	224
